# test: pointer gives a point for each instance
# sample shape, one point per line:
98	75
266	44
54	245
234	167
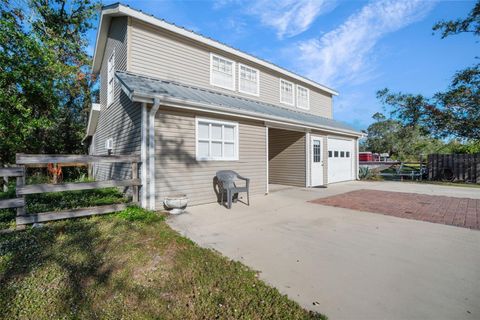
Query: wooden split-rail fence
24	161
454	167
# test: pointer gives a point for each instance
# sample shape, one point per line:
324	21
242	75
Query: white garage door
341	158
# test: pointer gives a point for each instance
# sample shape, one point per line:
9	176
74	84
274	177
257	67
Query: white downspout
143	154
151	151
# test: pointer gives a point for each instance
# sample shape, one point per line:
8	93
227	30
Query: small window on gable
303	97
216	140
222	72
111	78
287	94
248	80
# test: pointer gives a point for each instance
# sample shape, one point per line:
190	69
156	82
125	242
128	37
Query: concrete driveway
349	264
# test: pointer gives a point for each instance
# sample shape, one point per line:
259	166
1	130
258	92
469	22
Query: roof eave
101	39
186	104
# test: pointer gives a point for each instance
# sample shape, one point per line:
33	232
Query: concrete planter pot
176	203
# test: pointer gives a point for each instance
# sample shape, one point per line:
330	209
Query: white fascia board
202	107
122	10
93	119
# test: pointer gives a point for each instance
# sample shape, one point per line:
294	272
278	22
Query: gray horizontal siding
120	121
178	171
163	54
286	157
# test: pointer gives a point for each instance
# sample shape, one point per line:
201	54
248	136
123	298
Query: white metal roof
146	89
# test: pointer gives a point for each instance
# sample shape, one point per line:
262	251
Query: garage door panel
340	160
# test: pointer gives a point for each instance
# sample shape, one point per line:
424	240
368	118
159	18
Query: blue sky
355	47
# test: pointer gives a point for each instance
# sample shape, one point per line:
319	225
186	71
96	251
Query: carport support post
307	160
266	159
357	160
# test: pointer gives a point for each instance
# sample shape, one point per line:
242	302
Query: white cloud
289	17
346	53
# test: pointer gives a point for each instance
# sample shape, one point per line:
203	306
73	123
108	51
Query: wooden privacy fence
24	161
454	167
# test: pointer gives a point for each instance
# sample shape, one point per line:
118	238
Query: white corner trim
143	152
151	152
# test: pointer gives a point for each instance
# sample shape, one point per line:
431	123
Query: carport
309	158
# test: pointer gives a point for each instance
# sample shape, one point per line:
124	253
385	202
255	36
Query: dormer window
287	94
249	80
222	72
110	78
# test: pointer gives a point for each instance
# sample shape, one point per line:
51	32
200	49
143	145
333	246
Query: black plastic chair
226	184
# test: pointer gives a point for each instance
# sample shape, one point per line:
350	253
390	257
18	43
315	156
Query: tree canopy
45	85
453	113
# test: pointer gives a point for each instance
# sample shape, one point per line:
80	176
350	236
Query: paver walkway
461	212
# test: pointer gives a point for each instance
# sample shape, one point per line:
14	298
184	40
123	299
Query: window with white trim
110	78
248	80
287	94
216	140
222	72
303	97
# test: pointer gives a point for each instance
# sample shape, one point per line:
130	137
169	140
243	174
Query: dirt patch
461	212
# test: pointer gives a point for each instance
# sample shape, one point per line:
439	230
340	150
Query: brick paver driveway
461	212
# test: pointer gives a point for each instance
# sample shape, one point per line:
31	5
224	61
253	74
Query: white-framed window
111	78
216	140
248	80
287	94
303	97
222	72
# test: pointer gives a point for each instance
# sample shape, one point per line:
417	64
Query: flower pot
176	203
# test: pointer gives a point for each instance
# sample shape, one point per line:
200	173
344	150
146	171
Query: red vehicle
368	156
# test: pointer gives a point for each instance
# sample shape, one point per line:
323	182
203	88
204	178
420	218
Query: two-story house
192	106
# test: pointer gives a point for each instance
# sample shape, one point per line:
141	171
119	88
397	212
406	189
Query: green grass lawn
128	265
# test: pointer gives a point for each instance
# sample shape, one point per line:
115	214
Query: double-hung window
287	94
216	140
222	72
303	98
110	78
249	80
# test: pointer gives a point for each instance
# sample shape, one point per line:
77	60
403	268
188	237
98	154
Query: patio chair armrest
242	178
247	182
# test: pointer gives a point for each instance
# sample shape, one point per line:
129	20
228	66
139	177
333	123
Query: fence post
21	211
477	164
135	176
